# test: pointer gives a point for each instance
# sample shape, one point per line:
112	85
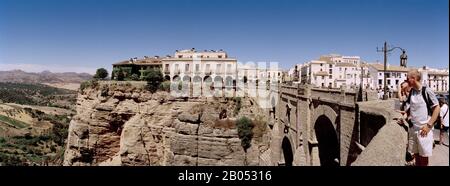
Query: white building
394	75
291	72
335	71
436	79
205	66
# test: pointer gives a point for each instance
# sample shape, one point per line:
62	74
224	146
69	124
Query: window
388	75
388	81
340	68
180	56
218	68
380	74
380	81
345	69
197	67
330	71
167	68
321	77
321	64
186	68
396	82
330	76
331	66
177	68
208	66
229	67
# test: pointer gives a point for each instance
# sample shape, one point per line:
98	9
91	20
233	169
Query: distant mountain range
45	77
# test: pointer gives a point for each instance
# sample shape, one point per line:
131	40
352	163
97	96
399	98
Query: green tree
101	73
245	133
120	75
135	77
154	78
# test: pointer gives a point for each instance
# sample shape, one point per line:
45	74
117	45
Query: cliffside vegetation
245	133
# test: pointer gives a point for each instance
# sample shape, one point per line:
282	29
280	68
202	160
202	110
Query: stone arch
187	78
328	141
328	112
167	78
218	79
228	81
287	150
207	79
176	78
197	79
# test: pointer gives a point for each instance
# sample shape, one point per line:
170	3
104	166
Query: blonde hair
415	73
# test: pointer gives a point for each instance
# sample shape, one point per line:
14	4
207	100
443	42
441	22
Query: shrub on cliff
245	133
134	77
154	78
238	102
165	86
88	84
101	73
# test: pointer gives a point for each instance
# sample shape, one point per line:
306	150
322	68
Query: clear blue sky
79	35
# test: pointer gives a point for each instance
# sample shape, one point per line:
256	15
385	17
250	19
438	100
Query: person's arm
427	128
436	112
435	115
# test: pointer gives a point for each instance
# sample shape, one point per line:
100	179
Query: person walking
424	110
444	120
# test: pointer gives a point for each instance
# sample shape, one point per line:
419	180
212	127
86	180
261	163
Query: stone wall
127	125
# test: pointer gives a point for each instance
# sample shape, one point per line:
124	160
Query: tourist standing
424	110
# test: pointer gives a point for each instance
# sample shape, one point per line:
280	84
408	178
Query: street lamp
403	59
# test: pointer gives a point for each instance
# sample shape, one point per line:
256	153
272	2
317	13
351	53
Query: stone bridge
329	127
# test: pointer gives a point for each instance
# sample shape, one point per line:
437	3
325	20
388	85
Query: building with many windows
336	71
394	75
436	79
200	66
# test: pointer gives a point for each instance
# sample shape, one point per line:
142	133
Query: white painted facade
190	65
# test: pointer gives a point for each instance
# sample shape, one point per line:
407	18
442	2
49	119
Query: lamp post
403	59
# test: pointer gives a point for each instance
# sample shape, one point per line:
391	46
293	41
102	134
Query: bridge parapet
382	140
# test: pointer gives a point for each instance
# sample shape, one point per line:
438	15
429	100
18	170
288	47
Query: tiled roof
341	64
148	61
392	68
438	73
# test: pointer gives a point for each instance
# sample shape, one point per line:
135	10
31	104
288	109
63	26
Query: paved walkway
440	152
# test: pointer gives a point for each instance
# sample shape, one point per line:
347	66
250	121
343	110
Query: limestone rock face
129	126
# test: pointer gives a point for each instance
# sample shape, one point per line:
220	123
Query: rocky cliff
127	125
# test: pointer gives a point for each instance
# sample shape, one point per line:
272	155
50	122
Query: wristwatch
429	126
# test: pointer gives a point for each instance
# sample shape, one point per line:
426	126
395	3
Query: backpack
428	102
